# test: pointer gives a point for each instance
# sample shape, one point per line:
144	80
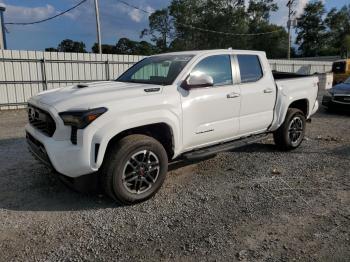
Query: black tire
285	136
123	157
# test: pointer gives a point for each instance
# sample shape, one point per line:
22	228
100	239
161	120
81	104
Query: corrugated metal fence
25	73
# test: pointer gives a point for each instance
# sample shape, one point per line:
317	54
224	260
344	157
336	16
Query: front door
211	115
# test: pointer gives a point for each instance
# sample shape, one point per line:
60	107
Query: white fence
301	67
25	73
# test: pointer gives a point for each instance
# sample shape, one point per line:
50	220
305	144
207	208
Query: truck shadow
27	185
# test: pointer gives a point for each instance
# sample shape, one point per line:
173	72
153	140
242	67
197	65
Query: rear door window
250	68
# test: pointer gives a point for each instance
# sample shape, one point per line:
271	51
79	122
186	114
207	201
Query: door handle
233	95
268	91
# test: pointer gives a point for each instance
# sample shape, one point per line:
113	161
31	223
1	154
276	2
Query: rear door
258	94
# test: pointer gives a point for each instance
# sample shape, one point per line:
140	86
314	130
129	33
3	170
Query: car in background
338	97
341	71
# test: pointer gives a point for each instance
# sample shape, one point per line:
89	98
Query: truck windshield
157	70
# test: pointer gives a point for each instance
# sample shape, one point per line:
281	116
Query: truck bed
285	75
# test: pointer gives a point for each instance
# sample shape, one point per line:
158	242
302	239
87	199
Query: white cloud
281	16
24	14
134	14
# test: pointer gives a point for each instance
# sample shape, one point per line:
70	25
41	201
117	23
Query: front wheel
134	169
292	132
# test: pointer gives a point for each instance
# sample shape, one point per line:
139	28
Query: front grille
342	99
41	120
38	150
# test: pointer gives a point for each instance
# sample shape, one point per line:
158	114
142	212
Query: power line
199	28
49	18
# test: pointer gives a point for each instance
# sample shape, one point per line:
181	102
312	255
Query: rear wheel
134	169
292	132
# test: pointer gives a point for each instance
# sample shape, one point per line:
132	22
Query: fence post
43	73
108	77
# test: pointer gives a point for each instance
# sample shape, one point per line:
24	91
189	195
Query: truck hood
92	95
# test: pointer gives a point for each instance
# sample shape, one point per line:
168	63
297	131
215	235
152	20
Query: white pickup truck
169	107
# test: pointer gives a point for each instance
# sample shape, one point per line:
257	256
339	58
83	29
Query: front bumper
66	158
329	101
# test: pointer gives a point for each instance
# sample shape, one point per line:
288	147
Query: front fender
117	125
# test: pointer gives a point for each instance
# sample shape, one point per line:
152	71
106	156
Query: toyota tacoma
166	108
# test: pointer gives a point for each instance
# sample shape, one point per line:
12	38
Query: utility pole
2	27
291	13
98	27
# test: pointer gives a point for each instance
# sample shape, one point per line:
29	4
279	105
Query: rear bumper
314	109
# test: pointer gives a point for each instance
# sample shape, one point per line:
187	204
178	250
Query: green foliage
71	46
338	23
260	11
106	49
184	17
51	49
176	28
160	28
311	29
323	34
129	47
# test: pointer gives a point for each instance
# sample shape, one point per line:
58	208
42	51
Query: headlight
81	119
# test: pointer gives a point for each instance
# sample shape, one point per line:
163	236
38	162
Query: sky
117	20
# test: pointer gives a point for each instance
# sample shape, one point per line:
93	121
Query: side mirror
197	81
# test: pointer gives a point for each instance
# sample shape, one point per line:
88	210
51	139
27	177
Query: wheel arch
302	105
163	132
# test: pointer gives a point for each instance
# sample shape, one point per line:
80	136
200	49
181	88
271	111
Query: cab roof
214	52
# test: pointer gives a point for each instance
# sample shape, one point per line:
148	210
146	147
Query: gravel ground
252	204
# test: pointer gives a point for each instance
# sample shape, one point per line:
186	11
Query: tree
311	30
130	47
71	46
260	11
145	48
197	25
125	46
51	49
346	46
106	49
160	28
338	23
